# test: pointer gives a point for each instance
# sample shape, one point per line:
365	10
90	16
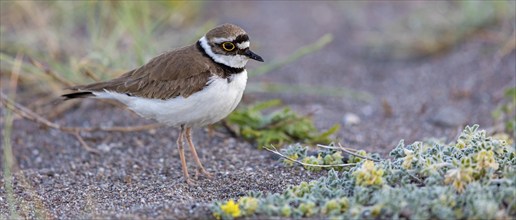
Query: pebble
104	147
351	119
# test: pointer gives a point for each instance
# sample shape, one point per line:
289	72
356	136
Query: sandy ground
139	174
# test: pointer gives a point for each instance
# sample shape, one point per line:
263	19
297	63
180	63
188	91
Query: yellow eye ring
228	46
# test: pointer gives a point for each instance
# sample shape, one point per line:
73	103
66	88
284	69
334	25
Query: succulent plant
472	178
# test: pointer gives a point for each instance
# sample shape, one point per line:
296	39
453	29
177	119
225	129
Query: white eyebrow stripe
243	45
235	61
219	40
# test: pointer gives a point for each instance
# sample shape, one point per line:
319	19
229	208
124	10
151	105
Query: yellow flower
288	162
376	210
286	210
335	206
407	160
504	138
344	204
307	208
248	204
354	159
331	206
459	178
485	159
368	174
460	144
231	208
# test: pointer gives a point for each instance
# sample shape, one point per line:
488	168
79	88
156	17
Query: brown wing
176	73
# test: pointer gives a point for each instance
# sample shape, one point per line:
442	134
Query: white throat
235	61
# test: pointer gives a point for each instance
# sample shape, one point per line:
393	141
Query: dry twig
8	156
91	75
30	115
275	151
348	151
84	144
51	73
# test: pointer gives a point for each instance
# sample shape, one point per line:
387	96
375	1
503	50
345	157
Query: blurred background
383	70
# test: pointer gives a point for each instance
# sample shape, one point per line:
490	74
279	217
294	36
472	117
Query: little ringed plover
189	87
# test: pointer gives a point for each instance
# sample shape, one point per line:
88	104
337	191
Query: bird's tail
78	95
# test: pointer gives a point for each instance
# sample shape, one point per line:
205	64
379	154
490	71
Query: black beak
252	55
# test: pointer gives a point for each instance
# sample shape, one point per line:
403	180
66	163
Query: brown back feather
180	72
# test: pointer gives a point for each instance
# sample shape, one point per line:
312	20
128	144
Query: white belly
205	107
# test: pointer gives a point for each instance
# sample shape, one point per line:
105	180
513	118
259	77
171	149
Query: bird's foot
190	182
203	172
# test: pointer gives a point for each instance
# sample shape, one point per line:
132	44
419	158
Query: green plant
422	32
227	210
302	51
7	148
472	178
326	157
369	175
293	152
278	127
505	113
112	37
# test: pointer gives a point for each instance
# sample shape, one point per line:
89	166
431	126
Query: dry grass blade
91	75
30	115
309	89
508	47
51	73
9	158
305	50
346	150
275	151
84	144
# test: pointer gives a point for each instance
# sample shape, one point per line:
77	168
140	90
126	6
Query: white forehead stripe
219	40
243	45
235	61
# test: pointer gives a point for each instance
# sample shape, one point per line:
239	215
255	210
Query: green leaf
278	127
511	93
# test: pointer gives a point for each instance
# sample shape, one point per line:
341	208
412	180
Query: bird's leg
194	152
182	156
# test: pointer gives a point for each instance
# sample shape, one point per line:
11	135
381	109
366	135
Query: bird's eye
228	46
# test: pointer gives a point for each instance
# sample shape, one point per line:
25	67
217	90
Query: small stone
351	119
104	147
152	131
